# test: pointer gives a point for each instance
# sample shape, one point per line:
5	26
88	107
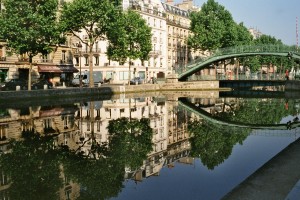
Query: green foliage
130	141
93	17
33	167
267	60
213	143
213	27
129	37
102	178
30	26
271	111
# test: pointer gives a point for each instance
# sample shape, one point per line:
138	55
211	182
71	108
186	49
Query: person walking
287	74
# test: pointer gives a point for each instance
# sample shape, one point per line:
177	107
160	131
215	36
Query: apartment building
178	31
170	29
56	66
255	32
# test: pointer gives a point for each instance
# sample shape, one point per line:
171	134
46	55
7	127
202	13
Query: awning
57	69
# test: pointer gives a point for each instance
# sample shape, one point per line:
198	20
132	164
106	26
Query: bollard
45	87
99	84
18	88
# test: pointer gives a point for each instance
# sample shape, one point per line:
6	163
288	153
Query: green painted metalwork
234	52
207	116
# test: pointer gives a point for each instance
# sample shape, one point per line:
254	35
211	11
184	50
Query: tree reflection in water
213	143
38	169
33	167
102	178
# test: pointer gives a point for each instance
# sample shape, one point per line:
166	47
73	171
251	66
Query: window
63	56
45	58
123	75
96	60
47	123
98	126
108	74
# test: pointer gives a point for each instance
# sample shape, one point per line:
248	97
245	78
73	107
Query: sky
276	18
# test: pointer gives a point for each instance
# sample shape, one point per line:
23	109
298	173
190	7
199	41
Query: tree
212	27
30	27
132	40
267	60
95	18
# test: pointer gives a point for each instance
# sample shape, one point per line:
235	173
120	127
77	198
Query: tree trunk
91	82
29	72
129	72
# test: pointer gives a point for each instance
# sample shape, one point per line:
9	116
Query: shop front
57	74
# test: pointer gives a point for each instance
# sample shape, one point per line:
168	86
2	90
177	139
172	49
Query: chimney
170	2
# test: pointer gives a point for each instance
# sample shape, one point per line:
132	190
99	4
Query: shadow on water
53	97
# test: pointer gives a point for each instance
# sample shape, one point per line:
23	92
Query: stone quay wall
292	85
108	90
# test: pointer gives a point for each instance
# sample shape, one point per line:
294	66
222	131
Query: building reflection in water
78	125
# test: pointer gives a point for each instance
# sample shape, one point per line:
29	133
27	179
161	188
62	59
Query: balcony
46	61
177	23
3	59
68	61
154	53
145	9
95	51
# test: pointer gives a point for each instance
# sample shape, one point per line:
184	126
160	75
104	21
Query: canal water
140	147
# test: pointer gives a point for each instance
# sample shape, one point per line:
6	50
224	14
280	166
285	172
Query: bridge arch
234	52
207	116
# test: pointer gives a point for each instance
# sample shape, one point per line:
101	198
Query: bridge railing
239	50
241	76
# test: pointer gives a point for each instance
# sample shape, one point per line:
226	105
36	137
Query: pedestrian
287	74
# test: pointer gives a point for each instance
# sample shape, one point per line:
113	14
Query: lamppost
79	46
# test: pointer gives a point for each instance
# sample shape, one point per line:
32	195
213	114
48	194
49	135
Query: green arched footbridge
235	52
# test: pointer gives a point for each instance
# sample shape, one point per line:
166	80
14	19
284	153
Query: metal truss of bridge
234	52
190	107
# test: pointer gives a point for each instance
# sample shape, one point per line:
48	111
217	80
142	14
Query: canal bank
278	179
105	91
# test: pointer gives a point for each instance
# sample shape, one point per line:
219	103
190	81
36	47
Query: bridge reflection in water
77	145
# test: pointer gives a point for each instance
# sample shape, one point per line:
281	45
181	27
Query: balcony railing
46	61
154	53
86	51
177	23
148	10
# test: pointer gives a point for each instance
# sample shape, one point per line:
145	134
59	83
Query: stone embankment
292	85
109	90
278	179
105	92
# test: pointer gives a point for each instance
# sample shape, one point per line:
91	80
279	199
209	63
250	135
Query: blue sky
272	17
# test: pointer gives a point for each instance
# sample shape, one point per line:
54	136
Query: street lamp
79	46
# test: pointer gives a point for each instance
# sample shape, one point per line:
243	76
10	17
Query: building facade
170	29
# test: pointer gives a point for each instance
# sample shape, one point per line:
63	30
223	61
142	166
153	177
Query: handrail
238	50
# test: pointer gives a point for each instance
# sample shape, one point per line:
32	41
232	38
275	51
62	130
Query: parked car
13	83
85	78
136	80
40	84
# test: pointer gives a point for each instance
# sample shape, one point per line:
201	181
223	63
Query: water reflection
86	150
